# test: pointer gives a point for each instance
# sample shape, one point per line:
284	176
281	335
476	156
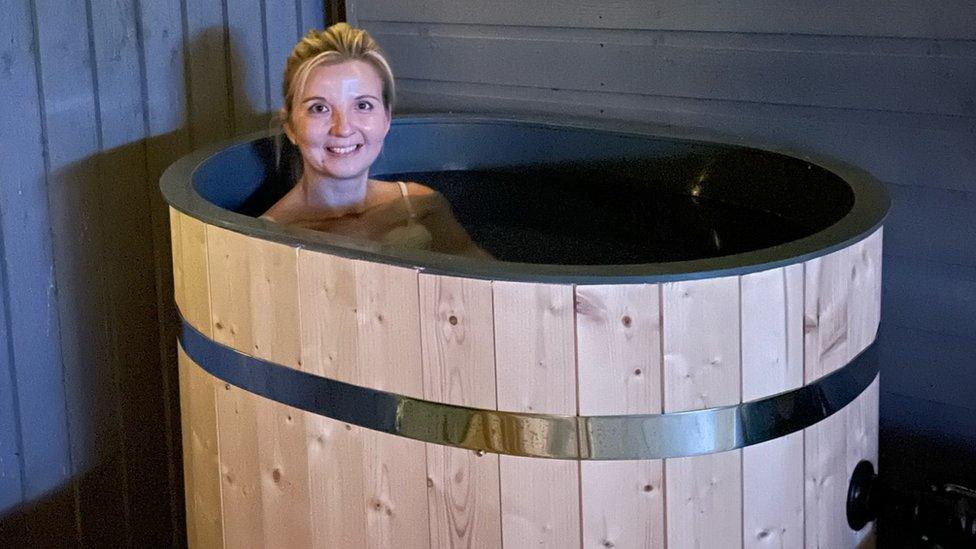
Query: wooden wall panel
33	365
535	361
702	370
618	340
901	19
459	368
99	99
749	68
772	362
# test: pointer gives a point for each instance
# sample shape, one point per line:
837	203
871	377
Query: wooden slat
210	107
263	456
388	316
536	372
772	362
459	368
837	18
327	300
34	332
825	317
312	15
126	189
618	338
201	462
280	29
202	474
249	87
825	487
864	313
702	370
862	443
751	72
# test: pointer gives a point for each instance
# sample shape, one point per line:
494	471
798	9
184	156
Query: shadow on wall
118	327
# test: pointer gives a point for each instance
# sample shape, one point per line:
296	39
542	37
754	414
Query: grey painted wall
888	86
97	97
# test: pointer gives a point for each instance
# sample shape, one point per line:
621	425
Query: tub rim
870	209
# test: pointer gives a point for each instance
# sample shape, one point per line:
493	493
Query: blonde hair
336	44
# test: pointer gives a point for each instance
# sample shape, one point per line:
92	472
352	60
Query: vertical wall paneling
702	370
280	28
772	362
311	15
123	174
618	340
82	267
100	97
30	305
247	37
459	368
535	361
210	105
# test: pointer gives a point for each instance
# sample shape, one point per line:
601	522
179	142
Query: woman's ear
286	125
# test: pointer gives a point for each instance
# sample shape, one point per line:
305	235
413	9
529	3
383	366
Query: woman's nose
340	123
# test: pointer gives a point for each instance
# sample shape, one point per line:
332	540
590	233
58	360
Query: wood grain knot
276	475
648	488
453	320
627	321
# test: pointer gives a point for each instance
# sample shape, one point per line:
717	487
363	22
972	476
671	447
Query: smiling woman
338	97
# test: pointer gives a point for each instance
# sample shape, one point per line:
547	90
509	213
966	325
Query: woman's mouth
342	151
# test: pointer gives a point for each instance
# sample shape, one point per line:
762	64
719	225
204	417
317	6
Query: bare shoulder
419	189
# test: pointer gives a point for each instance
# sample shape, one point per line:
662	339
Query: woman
338	100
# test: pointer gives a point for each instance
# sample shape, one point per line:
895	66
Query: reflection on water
540	215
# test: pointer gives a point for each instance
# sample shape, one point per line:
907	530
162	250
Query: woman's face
339	120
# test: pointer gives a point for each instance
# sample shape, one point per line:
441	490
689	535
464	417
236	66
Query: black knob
862	496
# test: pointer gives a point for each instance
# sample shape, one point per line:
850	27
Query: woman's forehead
347	78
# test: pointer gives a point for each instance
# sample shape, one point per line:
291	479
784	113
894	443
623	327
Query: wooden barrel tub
339	393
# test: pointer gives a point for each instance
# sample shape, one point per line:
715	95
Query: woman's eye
365	106
317	108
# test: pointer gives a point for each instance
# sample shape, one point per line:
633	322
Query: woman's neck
337	196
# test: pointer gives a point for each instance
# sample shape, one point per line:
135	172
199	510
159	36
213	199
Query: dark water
587	218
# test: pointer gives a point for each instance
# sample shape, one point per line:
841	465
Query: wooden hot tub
641	375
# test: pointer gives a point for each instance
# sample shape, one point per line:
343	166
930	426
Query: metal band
654	436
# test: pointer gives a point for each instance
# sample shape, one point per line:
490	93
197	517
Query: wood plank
700	334
201	463
122	173
865	310
159	28
536	372
327	299
11	466
34	331
204	498
459	368
281	24
618	340
263	446
836	18
825	487
934	225
84	275
250	93
825	317
388	317
758	73
862	443
210	105
772	362
311	15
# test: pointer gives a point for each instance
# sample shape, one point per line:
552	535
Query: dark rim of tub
869	209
